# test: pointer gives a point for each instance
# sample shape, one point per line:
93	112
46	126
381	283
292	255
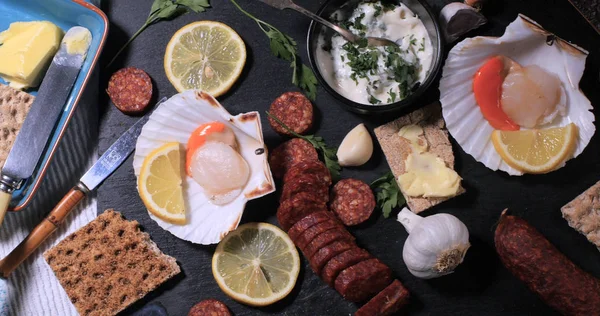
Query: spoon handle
349	36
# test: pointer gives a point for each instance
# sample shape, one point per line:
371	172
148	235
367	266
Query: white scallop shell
175	120
527	43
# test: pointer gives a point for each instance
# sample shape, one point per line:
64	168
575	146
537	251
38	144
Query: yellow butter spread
26	50
77	43
425	174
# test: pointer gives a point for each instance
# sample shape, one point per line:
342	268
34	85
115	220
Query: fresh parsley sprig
328	153
388	193
285	47
165	10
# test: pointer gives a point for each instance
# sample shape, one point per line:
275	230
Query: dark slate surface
481	286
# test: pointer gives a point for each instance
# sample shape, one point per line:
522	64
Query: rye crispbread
109	264
397	149
582	213
14	106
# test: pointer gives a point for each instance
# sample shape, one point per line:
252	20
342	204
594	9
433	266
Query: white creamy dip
369	75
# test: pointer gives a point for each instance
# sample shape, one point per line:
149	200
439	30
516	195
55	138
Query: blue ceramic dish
65	14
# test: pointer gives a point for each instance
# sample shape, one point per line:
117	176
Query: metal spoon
349	36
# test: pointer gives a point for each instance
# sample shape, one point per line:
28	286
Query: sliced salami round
352	201
305	183
342	261
307	222
323	255
289	153
209	307
294	110
296	208
363	280
305	238
130	90
316	168
325	239
387	302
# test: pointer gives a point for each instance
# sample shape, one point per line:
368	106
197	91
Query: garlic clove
458	18
356	148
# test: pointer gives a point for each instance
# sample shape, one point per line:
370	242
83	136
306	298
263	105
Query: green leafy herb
165	10
413	40
285	47
404	73
378	10
388	193
362	63
422	47
392	97
374	100
328	153
358	23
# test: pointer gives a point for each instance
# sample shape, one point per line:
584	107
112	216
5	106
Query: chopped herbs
392	97
422	47
374	100
378	10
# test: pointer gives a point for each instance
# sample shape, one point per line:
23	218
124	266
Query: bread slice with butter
14	106
397	150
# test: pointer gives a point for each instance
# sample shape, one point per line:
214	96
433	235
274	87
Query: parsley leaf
328	153
285	47
165	10
392	95
374	100
422	47
388	193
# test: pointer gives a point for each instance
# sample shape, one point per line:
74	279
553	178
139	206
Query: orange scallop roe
487	86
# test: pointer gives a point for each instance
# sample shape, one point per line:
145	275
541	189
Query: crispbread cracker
397	149
109	264
14	106
582	213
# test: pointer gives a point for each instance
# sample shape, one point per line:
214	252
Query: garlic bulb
436	244
356	148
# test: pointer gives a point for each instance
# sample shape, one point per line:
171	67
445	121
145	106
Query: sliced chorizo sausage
209	307
296	208
323	255
305	183
289	153
363	280
342	261
316	168
130	90
387	302
305	238
325	239
352	201
294	110
307	222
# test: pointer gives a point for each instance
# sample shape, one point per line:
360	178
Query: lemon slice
159	183
256	264
536	151
205	55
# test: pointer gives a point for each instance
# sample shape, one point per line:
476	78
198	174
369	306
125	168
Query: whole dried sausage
296	208
325	239
130	90
387	302
307	222
316	168
305	238
209	307
289	153
323	255
528	255
342	261
294	110
305	183
352	201
363	280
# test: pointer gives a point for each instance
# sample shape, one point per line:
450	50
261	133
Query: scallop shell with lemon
208	216
528	46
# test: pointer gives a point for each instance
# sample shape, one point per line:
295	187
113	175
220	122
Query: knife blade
112	158
279	4
42	118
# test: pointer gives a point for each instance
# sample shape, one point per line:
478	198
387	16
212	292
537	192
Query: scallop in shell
527	43
175	120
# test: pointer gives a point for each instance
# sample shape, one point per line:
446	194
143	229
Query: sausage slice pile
321	235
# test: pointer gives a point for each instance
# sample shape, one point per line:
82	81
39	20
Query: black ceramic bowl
426	15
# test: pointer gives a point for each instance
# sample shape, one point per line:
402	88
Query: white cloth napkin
32	288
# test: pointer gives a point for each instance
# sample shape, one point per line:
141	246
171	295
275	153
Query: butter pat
26	50
426	174
78	41
356	148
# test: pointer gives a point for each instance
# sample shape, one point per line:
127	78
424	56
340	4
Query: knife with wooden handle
104	167
41	119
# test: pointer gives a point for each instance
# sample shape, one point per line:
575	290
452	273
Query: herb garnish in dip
377	75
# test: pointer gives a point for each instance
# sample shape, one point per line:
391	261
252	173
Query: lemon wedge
256	264
537	150
159	183
205	55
